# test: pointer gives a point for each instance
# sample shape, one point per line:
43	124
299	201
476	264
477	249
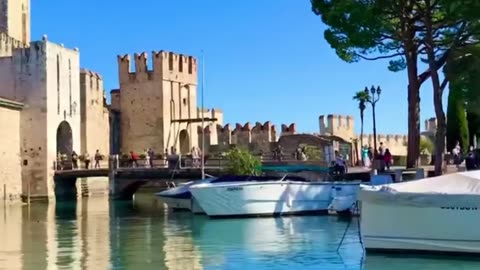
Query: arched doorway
184	142
64	139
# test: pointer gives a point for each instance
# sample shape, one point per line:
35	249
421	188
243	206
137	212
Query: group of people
382	154
471	159
63	160
149	157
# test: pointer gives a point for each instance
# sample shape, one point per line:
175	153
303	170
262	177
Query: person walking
74	160
151	155
86	159
471	160
134	158
387	157
97	157
147	158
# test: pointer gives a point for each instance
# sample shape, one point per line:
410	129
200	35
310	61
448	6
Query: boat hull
176	204
263	199
396	228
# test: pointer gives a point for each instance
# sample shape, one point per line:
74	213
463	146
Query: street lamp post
374	96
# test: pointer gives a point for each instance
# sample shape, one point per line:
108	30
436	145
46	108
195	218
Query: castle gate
184	142
64	138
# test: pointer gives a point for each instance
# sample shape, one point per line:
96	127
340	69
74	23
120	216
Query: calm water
96	234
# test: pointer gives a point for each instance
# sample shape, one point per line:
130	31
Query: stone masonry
10	167
45	78
95	127
15	19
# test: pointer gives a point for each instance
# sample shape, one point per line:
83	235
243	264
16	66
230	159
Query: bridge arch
64	138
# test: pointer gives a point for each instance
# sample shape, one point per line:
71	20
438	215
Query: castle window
180	64
70	85
184	102
58	84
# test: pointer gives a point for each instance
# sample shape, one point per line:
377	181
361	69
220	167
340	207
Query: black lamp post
373	97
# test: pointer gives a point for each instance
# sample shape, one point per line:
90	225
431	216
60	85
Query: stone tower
158	104
15	19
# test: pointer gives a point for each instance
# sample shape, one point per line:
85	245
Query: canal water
97	234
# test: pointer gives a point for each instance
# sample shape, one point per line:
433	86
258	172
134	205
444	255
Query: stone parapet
165	66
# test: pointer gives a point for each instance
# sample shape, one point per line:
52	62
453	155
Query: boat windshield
295	168
243	178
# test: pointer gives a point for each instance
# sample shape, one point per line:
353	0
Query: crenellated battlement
92	79
165	66
255	137
289	130
385	138
8	44
241	128
431	125
337	125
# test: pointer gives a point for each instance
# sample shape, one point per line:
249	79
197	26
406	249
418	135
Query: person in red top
134	158
387	157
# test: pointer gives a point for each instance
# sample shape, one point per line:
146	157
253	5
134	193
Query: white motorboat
288	195
344	197
437	214
180	197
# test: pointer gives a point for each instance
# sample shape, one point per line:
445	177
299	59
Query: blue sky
265	60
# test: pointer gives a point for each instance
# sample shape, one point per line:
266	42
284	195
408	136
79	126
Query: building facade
45	78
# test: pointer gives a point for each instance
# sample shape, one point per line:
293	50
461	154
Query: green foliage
457	128
242	162
312	152
473	119
426	146
463	72
362	97
399	160
403	32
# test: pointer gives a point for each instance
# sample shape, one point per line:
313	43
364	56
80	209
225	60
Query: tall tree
448	25
362	98
463	72
381	29
404	31
457	129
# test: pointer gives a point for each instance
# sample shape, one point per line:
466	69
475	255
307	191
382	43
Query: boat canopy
459	190
294	168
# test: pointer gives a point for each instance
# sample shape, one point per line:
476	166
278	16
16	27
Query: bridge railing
179	161
65	165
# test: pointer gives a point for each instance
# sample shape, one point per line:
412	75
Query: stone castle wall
158	107
95	126
155	103
10	167
8	44
343	127
397	144
95	116
15	19
45	77
337	125
256	138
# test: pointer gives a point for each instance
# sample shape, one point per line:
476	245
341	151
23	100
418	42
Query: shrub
242	162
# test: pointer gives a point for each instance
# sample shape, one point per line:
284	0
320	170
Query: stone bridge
124	180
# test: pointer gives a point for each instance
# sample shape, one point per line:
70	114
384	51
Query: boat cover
450	190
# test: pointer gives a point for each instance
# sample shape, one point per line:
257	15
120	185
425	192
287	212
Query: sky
264	60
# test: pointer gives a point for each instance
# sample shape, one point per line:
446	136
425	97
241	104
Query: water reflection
97	234
277	243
